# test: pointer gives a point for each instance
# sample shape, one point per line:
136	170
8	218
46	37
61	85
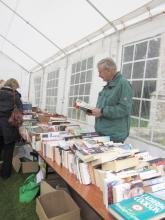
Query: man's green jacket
115	102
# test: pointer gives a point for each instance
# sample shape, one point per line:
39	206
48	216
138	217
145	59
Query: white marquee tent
38	37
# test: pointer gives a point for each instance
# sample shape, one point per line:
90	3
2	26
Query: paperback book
143	207
79	104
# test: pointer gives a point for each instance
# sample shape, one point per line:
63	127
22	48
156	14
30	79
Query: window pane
69	113
73	68
77	78
87	89
89	76
137	88
140	51
151	68
145	109
78	67
74	113
71	90
149	88
138	70
78	114
72	79
143	123
154	46
135	107
86	99
82	77
126	70
134	122
81	89
90	63
76	90
128	53
84	65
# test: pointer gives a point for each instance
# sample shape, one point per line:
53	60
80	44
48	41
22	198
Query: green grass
10	207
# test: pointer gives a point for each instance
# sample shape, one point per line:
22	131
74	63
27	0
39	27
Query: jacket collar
114	81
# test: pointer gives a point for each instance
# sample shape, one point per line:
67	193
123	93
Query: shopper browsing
8	134
114	103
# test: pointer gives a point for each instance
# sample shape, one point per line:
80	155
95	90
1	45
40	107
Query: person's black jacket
9	133
7	101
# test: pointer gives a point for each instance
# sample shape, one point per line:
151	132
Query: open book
84	106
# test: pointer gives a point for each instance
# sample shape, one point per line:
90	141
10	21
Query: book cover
127	190
79	104
143	207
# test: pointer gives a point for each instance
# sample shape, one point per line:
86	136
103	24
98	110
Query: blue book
143	207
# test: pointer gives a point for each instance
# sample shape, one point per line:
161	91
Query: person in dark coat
8	133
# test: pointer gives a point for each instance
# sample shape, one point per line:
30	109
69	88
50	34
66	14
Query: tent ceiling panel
30	41
18	56
5	19
63	22
115	9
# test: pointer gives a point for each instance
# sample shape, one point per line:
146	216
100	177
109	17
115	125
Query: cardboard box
29	167
57	205
117	165
45	188
26	167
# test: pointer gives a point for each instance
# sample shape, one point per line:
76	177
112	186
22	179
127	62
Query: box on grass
57	205
26	166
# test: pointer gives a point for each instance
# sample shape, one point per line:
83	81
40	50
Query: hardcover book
143	207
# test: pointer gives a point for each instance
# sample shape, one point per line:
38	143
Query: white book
149	174
109	183
155	188
70	161
79	175
84	172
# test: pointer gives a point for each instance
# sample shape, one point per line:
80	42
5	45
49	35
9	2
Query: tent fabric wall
9	69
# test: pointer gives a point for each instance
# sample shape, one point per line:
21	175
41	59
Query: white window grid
140	120
37	86
52	91
80	86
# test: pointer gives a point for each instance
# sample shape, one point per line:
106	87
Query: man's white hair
107	63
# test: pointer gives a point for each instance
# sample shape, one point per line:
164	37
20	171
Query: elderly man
114	103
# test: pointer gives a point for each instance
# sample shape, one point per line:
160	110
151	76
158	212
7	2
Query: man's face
105	74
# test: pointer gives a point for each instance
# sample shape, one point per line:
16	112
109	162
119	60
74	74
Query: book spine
156	187
154	181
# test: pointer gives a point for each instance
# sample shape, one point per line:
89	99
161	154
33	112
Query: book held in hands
79	104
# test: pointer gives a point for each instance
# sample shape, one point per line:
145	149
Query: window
37	86
80	85
51	91
140	65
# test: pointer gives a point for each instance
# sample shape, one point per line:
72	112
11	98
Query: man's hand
96	112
